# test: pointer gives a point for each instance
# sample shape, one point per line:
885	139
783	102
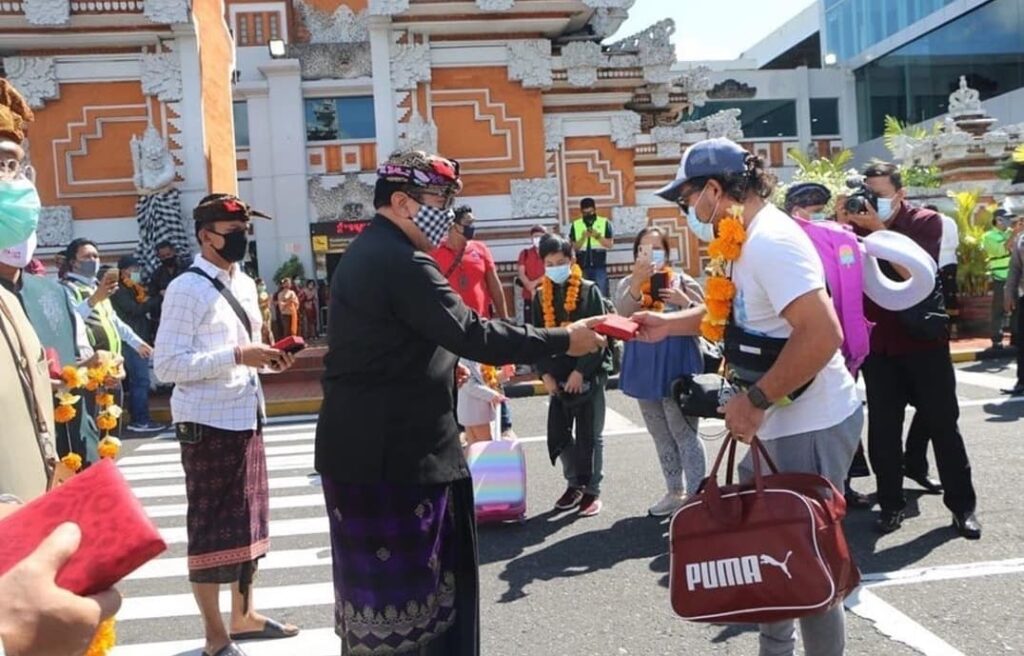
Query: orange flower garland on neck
647	301
720	290
490	374
572	297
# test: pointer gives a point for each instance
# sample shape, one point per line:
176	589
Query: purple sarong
405	572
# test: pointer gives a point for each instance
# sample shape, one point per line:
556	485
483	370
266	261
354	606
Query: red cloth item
53	362
766	551
531	261
117	536
469	277
617	327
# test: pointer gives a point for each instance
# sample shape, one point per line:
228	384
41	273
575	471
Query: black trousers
925	380
915	461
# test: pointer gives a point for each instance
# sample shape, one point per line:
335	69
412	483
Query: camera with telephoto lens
862	197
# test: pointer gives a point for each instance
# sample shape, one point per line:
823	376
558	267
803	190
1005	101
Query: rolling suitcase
498	469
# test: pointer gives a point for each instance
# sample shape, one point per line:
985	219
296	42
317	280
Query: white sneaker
670	503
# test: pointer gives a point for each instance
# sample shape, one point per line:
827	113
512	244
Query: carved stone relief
56	227
34	77
167	11
47	12
352	199
535	198
343	26
410	65
554	133
388	7
343	61
629	220
161	76
529	62
625	128
581	60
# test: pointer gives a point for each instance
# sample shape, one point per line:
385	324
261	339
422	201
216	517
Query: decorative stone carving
167	11
669	139
654	50
47	12
388	7
34	77
964	101
725	123
609	4
535	197
350	200
56	227
343	61
152	161
410	65
529	62
661	94
732	90
495	5
606	21
696	83
629	220
625	128
954	144
995	143
161	76
581	60
420	134
343	26
554	133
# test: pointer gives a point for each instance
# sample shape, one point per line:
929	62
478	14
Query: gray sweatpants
828	452
680	450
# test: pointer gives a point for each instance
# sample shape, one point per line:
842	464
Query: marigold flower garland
490	374
572	297
647	301
720	290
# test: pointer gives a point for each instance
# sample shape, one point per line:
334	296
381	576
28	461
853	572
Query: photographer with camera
910	360
592	238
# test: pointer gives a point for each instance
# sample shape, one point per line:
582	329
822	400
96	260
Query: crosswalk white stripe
164	458
170	444
281	528
178	489
276	503
184	605
157	472
287	559
311	642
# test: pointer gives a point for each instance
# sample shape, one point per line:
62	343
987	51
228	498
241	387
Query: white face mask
536	242
19	255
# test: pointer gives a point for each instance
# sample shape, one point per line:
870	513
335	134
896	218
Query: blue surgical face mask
135	277
885	208
658	260
704	231
19	211
558	274
88	268
818	216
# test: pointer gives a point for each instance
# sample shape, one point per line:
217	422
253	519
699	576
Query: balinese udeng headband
435	172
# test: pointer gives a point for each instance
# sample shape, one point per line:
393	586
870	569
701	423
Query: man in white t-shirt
804	407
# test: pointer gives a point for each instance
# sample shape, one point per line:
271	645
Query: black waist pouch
748	357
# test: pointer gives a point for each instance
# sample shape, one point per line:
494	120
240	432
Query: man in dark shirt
905	369
171	266
396	484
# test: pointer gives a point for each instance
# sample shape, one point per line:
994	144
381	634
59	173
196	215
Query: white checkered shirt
195	350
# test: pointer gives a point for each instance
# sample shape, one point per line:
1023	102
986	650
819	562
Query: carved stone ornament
154	166
56	227
654	50
581	60
669	140
696	83
343	26
725	123
495	5
420	134
610	4
995	142
965	101
554	133
629	220
47	12
535	197
167	12
388	7
161	76
339	61
625	128
529	62
661	94
732	90
410	65
350	200
606	21
34	77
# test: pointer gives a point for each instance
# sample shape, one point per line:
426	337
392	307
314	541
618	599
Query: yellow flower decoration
72	461
720	290
104	399
103	640
62	414
74	377
109	447
106	423
114	411
66	398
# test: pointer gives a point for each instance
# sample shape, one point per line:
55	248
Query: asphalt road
563	585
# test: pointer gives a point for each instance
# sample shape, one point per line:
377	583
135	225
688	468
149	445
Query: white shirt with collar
195	349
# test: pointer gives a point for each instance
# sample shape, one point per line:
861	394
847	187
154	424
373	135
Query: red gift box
292	344
117	536
618	327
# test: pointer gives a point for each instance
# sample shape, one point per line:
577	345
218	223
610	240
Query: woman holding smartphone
649	369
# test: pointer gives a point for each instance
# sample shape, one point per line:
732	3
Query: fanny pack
748	357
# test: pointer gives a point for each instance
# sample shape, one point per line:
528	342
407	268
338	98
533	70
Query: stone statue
158	209
964	100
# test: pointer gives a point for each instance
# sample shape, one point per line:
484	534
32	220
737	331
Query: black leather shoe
967	525
1016	390
889	521
930	486
855	499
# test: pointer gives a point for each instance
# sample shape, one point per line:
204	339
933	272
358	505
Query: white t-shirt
950	241
778	264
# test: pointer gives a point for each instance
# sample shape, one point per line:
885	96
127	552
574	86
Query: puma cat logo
732	572
784	565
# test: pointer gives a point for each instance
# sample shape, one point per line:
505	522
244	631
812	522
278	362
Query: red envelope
618	327
117	536
53	362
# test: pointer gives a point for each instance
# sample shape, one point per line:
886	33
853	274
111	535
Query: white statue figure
154	165
964	100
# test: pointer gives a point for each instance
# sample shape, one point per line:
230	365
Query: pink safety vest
841	256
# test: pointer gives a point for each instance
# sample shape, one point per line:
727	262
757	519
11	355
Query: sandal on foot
230	649
272	630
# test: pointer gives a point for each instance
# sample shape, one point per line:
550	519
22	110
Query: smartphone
113	274
659	281
290	345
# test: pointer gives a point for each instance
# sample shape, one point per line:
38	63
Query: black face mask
468	231
169	262
235	245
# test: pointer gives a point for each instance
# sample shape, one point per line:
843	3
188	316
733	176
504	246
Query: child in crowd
478	402
576	385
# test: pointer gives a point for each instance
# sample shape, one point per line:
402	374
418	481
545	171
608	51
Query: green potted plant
292	268
972	219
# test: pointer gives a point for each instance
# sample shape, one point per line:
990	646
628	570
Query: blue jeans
599	276
137	369
506	417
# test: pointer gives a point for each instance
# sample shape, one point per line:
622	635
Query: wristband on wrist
238	359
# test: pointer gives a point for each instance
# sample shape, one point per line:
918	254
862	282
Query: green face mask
19	211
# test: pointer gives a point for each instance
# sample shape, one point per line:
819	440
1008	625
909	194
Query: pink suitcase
499	480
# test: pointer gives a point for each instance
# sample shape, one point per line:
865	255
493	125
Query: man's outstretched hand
582	338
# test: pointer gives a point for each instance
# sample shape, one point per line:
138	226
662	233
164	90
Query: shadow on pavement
1003	413
585	553
864	539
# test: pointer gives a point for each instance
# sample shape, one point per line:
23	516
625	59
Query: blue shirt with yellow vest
105	329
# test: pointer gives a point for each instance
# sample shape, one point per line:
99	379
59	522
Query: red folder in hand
117	536
618	327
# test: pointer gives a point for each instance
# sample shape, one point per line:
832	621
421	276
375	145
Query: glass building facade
913	83
853	26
